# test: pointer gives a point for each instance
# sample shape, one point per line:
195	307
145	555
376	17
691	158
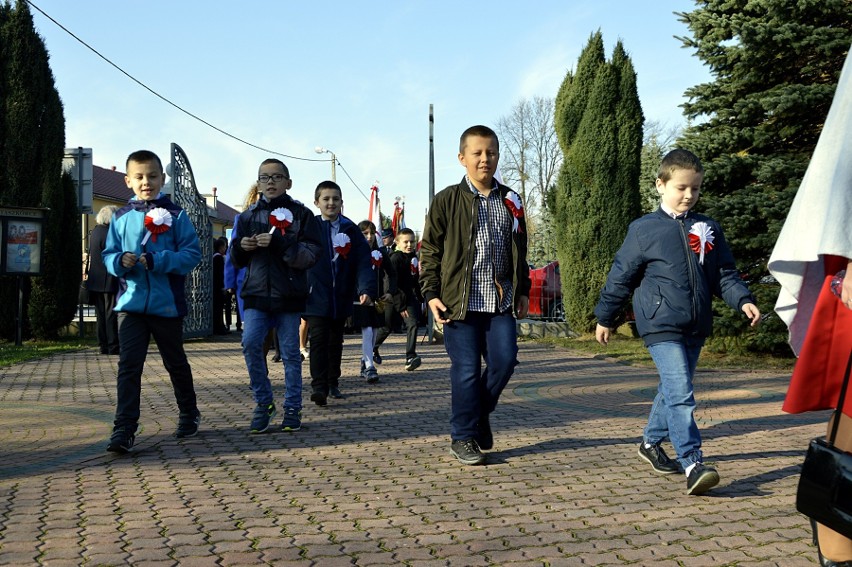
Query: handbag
825	485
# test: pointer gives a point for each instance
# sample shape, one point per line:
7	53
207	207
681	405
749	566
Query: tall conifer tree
599	124
775	66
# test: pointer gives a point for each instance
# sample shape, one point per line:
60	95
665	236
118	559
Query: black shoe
263	414
122	439
371	375
484	437
188	425
467	452
334	391
319	398
657	458
377	358
822	560
701	479
412	363
276	357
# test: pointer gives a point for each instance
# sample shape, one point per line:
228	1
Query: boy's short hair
279	162
678	159
326	185
478	130
365	224
406	232
143	156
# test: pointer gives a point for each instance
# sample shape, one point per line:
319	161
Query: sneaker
188	425
657	458
304	354
467	452
484	437
122	438
319	398
701	479
334	392
263	414
292	420
412	363
371	375
377	358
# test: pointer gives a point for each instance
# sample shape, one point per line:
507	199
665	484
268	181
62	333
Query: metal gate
199	282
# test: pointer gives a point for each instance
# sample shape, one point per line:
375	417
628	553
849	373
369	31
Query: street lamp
322	150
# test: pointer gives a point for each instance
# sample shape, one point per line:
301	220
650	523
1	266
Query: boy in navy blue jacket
341	277
674	261
151	247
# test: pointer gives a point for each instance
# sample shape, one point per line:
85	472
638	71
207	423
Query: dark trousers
411	324
219	311
107	321
326	341
390	320
229	307
134	333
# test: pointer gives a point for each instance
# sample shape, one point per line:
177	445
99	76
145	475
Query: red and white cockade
701	239
157	221
280	218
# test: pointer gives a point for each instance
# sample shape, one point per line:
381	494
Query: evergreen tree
775	66
599	124
33	139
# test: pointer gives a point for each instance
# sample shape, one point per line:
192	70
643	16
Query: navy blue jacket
335	283
672	291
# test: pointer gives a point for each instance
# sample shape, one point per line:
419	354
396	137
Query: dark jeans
475	391
134	333
104	304
326	342
411	323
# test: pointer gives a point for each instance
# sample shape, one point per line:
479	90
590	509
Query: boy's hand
365	299
263	239
248	243
602	334
438	309
752	312
522	306
128	260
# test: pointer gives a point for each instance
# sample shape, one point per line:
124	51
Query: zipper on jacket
467	263
690	267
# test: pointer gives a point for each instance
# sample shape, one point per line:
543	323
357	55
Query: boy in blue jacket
342	276
151	247
674	261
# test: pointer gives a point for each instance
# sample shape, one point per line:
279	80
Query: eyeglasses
277	177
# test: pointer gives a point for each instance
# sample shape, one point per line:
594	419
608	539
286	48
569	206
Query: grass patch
628	350
31	350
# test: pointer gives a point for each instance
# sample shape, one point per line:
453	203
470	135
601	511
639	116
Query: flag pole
431	322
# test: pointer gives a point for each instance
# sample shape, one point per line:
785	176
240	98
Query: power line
188	113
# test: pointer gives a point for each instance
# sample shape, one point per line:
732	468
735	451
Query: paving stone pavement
369	479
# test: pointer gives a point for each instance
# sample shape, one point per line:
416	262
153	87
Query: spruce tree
775	66
599	123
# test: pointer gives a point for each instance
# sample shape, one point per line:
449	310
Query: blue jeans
672	411
256	325
475	392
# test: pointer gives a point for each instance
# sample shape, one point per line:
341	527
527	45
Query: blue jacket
336	284
159	288
672	291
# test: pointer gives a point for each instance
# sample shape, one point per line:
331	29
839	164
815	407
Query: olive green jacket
446	250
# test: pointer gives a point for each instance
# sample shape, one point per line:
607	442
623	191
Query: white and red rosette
415	266
341	244
516	207
157	221
280	218
376	259
701	239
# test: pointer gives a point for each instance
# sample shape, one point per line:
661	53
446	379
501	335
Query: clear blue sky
354	77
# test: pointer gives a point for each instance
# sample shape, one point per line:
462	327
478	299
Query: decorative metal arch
199	282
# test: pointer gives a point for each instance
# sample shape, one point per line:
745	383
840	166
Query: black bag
83	295
825	485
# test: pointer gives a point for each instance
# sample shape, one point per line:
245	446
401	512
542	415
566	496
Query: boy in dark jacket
475	278
406	265
151	246
674	261
342	276
278	240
